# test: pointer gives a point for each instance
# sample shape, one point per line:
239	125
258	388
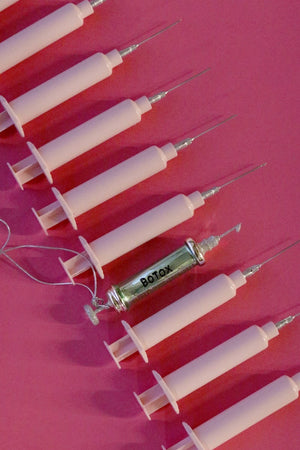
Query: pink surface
60	388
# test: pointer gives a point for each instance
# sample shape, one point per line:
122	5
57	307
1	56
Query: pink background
59	387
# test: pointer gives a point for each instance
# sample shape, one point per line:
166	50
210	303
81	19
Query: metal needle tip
188	141
134	47
242	175
256	267
279	253
157	97
216	189
282	323
95	3
158	33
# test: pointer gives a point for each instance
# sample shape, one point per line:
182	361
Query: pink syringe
242	415
142	229
174	317
64	86
207	367
110	183
86	136
44	32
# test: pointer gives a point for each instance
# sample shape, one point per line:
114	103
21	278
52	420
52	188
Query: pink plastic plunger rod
6	3
79	140
93	192
242	415
57	90
136	232
205	368
175	316
42	33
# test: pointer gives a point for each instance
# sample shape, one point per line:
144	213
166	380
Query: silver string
4	250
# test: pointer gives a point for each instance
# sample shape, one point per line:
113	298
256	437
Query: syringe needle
188	141
211	242
134	47
179	85
95	3
157	97
286	321
255	268
237	228
279	253
216	189
242	175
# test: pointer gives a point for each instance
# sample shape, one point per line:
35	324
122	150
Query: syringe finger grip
115	180
93	132
63	86
245	413
6	3
207	367
136	232
42	33
186	310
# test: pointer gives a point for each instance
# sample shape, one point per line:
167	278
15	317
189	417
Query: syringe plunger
79	140
175	316
104	186
135	232
205	368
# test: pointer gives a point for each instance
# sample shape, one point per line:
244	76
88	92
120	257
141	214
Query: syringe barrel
174	317
117	179
219	360
63	86
145	227
245	413
123	295
6	3
42	33
134	233
93	132
187	309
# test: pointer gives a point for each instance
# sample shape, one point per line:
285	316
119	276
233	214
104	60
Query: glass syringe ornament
107	184
142	229
174	317
122	296
86	136
44	32
242	415
64	86
207	367
6	3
